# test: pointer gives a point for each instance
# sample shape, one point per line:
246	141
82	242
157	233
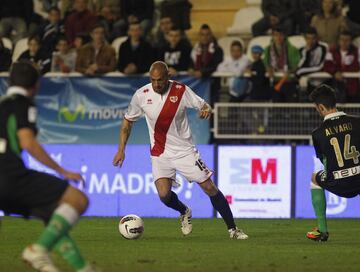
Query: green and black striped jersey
16	111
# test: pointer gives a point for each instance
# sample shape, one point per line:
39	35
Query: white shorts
190	166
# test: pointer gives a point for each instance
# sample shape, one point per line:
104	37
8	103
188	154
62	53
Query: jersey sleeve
192	100
134	111
26	115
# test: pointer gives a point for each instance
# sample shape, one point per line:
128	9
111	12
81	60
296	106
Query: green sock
56	228
68	249
319	204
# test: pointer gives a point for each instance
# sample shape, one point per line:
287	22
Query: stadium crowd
78	35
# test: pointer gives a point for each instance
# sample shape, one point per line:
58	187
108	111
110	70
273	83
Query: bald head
160	66
159	76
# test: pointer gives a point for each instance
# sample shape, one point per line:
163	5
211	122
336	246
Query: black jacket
260	89
43	62
5	59
178	57
142	56
49	35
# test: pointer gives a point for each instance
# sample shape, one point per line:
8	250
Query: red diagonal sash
166	117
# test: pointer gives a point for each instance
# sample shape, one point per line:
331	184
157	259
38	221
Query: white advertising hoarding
256	180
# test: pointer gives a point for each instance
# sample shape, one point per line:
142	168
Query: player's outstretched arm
124	136
205	111
29	143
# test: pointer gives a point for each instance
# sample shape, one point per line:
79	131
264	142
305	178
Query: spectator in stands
176	53
236	64
64	59
312	55
260	85
81	39
67	6
179	10
133	11
107	18
344	58
34	54
50	31
276	13
113	5
312	58
281	56
81	20
5	57
160	39
165	25
96	57
135	54
206	55
329	22
14	17
305	10
352	18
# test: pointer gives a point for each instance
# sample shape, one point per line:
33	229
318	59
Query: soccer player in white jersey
164	103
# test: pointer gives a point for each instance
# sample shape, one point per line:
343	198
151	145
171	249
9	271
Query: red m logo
257	171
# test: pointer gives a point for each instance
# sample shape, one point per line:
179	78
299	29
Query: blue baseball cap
257	49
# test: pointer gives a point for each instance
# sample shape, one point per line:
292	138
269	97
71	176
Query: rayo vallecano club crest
173	99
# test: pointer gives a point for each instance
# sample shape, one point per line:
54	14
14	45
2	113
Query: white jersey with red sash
169	130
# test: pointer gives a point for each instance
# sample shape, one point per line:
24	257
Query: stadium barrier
258	181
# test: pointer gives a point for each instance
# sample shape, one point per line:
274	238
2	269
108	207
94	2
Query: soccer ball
131	226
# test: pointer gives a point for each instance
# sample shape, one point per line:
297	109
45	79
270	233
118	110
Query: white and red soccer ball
131	226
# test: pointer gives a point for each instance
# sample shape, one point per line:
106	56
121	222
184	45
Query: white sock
68	212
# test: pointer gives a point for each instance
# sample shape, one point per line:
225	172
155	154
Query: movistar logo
105	113
71	116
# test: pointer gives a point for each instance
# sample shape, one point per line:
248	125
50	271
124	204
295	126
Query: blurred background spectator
80	20
305	10
312	55
34	54
135	54
50	31
282	56
236	64
107	18
312	58
260	85
160	39
176	52
206	54
179	11
15	15
5	57
329	22
81	39
96	57
64	58
135	11
276	13
353	16
344	58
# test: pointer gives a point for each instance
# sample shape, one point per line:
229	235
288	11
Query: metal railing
269	121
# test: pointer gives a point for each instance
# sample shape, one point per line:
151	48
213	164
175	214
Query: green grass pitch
274	245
